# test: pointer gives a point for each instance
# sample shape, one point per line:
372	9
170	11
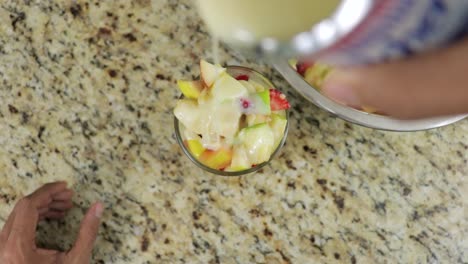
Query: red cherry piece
242	77
245	103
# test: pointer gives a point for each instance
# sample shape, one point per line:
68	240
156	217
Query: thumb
83	248
426	85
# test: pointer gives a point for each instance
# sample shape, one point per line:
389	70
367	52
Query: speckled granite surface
87	89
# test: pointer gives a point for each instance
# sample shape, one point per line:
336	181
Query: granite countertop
87	91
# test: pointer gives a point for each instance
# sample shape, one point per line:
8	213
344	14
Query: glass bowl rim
187	152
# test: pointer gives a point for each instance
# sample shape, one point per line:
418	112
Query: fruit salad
315	73
229	121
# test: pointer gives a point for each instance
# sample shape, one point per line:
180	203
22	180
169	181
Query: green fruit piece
281	113
261	102
239	159
190	89
278	125
257	103
292	63
258	142
258	87
254	119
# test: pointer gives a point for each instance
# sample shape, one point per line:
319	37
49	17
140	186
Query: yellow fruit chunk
369	109
195	147
216	159
190	89
316	75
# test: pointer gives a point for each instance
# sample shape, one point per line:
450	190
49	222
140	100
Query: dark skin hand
427	85
51	201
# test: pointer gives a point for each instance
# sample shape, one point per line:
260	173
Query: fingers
88	233
58	205
37	203
428	85
55	210
47	256
25	221
7	226
63	196
43	196
61	205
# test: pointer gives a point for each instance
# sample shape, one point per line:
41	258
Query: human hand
17	238
426	85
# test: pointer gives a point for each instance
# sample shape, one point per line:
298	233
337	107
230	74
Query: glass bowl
255	76
355	116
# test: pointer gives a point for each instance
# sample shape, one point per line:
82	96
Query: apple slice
190	89
188	113
239	159
278	125
195	147
216	159
224	119
254	119
210	73
258	141
258	86
250	88
226	88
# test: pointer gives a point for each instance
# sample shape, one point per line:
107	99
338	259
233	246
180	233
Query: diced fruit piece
258	103
187	112
188	134
216	159
190	89
301	67
239	159
258	86
242	77
281	113
369	109
225	119
249	86
254	119
258	142
195	147
278	125
316	75
278	100
226	88
210	73
293	63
